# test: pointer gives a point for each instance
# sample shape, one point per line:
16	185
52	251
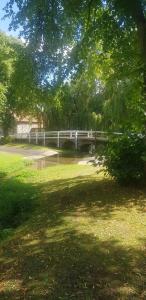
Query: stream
62	158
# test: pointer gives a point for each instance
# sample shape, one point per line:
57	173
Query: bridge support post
76	140
91	133
29	138
58	140
36	138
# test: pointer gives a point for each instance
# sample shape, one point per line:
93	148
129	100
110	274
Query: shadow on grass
98	198
53	257
74	267
16	201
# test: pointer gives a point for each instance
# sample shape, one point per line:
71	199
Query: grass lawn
78	235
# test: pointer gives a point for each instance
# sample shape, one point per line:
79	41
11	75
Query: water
58	159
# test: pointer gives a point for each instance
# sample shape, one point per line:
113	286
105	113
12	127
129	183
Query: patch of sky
5	21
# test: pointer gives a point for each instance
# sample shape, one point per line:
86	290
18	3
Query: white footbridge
78	137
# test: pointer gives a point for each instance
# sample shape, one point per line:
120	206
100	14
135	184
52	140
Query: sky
4	24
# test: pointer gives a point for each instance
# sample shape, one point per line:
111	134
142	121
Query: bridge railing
74	135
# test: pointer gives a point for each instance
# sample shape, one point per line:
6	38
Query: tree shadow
98	198
76	266
52	257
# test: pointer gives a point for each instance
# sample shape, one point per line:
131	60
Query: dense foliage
88	41
125	158
17	81
7	57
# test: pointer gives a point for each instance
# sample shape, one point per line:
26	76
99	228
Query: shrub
6	140
124	158
2	140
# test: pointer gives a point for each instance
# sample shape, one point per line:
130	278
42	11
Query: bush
2	140
6	140
124	158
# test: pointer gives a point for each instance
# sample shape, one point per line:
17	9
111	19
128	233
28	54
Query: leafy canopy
104	39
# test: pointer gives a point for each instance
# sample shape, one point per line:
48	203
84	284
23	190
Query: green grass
84	238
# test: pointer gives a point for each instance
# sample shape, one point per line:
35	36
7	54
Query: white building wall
25	128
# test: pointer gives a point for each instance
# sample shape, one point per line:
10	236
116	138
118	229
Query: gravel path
28	153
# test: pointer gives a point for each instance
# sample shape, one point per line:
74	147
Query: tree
135	11
7	57
18	83
62	33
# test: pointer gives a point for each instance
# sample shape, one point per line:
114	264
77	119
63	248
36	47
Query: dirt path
28	152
